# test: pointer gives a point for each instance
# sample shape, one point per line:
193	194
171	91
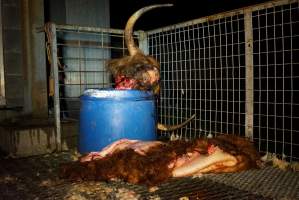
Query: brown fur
136	67
129	165
152	168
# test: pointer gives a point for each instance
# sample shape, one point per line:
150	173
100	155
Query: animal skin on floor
152	163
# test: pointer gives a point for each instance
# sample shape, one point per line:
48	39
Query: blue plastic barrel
109	115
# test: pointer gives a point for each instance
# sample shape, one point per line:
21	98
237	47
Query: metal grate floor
36	178
267	183
203	189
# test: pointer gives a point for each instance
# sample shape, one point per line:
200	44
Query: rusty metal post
54	75
249	73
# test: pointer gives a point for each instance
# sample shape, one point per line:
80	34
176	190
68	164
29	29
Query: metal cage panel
77	57
82	54
276	51
237	72
203	72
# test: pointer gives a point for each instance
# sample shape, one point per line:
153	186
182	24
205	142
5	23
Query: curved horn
163	127
133	49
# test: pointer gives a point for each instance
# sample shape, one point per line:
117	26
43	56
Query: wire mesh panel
205	70
276	45
82	53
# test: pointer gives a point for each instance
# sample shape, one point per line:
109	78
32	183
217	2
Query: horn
133	49
163	127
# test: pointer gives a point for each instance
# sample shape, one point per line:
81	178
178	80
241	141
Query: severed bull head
136	71
139	71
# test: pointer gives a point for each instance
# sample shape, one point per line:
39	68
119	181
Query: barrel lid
117	94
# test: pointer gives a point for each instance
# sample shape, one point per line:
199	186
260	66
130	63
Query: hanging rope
49	39
47	29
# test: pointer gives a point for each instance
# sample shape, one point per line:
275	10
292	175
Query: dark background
183	10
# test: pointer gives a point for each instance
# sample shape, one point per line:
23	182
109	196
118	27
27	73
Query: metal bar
267	81
88	29
239	82
190	92
283	85
292	89
168	71
269	4
249	73
215	79
227	75
221	82
143	43
2	83
182	52
209	70
259	104
54	74
233	78
205	78
195	84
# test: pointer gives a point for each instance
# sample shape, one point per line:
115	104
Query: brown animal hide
160	161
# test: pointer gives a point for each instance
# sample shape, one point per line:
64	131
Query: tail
163	127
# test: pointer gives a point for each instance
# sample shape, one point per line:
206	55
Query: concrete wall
35	59
12	54
24	59
79	12
88	13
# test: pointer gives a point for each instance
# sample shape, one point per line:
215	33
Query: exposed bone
218	158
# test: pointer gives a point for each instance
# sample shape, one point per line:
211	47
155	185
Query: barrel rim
111	93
